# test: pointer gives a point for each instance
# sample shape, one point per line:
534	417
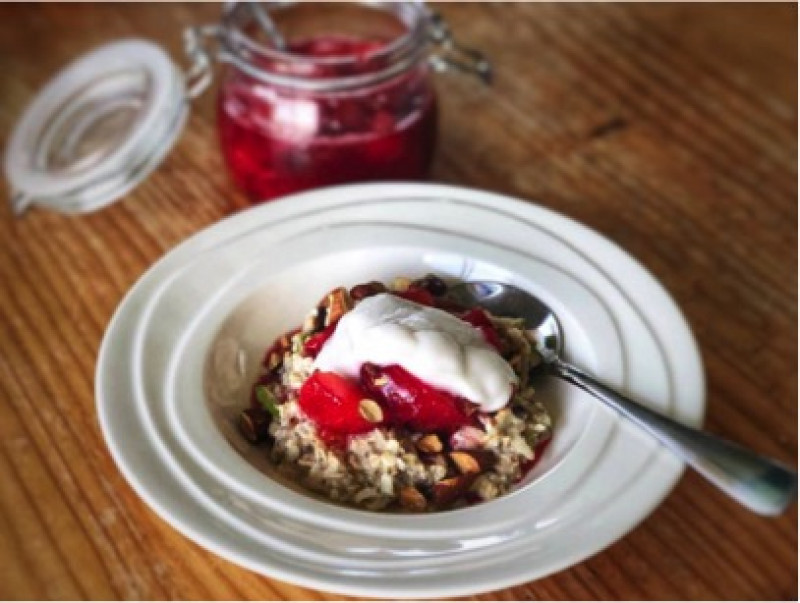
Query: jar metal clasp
452	55
201	69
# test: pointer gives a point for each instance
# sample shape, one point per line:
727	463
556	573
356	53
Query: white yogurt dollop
436	347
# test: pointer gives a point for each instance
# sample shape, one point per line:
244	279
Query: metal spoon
760	484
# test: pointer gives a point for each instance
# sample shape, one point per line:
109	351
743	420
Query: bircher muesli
392	397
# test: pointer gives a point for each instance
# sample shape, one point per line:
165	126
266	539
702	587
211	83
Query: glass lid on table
310	95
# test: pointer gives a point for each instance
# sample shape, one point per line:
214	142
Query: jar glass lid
97	129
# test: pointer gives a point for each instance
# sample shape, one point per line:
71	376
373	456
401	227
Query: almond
337	303
465	462
401	283
254	425
370	410
273	361
451	489
412	499
472	462
429	443
365	290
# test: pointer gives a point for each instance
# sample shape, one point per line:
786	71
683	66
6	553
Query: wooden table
669	128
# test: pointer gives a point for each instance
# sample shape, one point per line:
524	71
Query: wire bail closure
454	55
195	44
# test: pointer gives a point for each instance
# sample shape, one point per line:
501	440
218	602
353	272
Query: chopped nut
273	361
401	283
381	381
315	321
465	462
429	443
336	304
412	499
254	425
473	461
370	410
273	358
449	490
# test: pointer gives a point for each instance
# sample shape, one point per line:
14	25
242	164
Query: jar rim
399	55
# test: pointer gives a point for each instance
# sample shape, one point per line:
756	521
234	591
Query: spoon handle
760	484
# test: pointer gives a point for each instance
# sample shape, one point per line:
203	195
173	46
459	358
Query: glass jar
344	93
313	94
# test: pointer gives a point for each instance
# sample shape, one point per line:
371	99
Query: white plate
185	344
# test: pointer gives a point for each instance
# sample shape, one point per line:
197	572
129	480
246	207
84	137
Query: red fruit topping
419	296
277	141
479	319
408	402
314	344
332	402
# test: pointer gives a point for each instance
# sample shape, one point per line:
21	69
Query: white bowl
184	348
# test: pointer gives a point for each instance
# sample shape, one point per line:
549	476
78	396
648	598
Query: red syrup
278	140
472	498
538	451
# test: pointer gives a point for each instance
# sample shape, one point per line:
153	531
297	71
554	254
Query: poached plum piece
337	405
334	403
413	404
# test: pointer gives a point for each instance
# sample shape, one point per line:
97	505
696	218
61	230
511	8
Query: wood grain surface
670	128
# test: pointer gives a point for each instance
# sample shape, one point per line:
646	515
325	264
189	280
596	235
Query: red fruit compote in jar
280	138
